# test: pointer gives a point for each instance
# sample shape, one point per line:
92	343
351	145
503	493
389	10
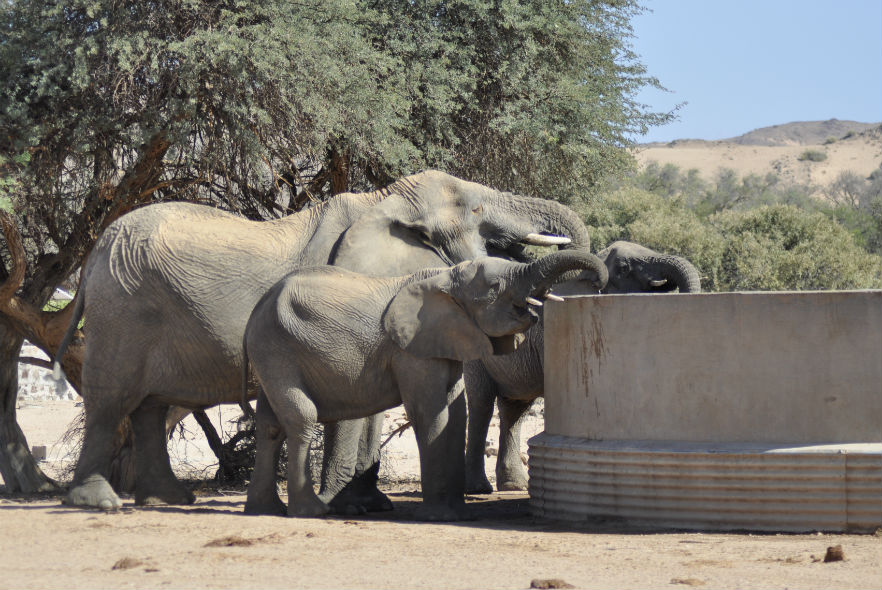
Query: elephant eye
490	295
477	210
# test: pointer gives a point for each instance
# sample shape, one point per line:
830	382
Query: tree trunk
20	471
339	172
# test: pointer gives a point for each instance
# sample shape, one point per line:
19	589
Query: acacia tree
263	108
109	105
534	97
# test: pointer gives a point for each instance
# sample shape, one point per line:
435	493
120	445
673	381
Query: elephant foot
511	485
93	492
511	477
309	507
272	507
172	493
359	498
441	513
478	485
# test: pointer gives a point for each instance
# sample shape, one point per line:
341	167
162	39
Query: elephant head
434	219
477	308
636	269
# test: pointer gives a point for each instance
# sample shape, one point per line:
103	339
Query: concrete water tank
751	411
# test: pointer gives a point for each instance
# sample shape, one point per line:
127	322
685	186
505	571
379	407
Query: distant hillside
846	145
803	133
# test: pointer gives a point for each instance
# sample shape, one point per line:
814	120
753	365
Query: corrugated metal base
708	486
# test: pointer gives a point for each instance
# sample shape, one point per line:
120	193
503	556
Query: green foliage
727	191
745	234
260	98
782	248
527	96
10	171
812	156
857	205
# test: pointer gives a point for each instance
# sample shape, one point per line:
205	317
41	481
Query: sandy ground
860	154
212	544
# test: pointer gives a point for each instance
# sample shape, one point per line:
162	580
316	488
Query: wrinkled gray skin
637	269
514	381
168	290
328	344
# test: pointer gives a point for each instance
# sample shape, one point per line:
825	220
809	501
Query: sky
746	64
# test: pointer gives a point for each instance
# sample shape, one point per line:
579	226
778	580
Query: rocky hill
805	133
781	150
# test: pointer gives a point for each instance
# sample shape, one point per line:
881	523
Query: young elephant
328	344
515	380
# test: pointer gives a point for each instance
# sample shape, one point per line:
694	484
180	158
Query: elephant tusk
658	282
534	301
553	297
540	240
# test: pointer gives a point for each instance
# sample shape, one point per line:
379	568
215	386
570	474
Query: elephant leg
438	412
263	496
155	483
339	455
297	415
510	472
351	466
481	392
90	486
367	468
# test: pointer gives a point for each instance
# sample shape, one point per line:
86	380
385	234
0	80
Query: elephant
515	380
328	344
168	288
637	269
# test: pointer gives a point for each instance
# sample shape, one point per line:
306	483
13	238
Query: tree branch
44	329
37	362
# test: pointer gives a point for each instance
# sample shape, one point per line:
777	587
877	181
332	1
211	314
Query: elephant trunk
538	277
681	272
539	217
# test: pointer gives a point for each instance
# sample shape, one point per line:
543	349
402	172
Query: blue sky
745	64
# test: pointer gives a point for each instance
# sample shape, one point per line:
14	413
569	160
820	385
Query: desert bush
853	201
784	248
726	191
670	180
771	247
858	207
812	156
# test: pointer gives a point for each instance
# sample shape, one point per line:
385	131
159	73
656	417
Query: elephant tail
243	401
79	304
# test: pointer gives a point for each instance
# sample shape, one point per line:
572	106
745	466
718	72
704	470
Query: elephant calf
328	344
516	380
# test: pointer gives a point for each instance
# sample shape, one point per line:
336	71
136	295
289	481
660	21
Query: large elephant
515	380
168	289
328	344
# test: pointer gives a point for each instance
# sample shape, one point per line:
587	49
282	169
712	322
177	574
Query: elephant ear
424	320
384	241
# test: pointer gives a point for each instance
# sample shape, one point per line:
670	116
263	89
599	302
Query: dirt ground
212	544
